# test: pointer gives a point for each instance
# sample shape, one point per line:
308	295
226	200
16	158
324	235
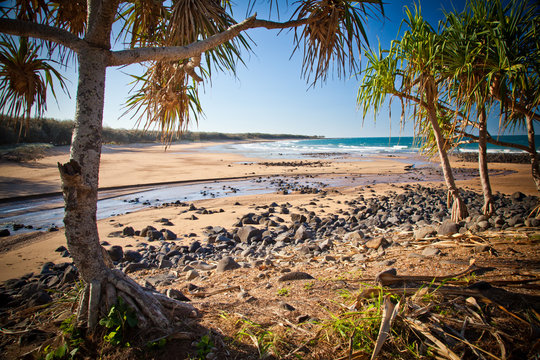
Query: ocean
352	146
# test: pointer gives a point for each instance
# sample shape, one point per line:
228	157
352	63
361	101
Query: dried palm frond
70	15
193	20
165	99
334	34
24	79
31	10
143	22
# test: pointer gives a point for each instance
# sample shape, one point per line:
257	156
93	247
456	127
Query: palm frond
24	78
333	36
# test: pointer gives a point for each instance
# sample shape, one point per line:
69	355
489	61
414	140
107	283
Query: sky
269	95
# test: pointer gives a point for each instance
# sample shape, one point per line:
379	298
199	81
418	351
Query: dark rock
194	246
70	275
132	256
284	306
245	233
424	232
302	233
168	234
60	249
116	253
40	298
296	275
134	267
4	233
298	218
128	231
47	268
177	295
144	232
518	196
227	263
152	235
448	227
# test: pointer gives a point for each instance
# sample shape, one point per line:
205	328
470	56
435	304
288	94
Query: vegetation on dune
55	132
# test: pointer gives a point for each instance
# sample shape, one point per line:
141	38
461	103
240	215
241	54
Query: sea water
366	146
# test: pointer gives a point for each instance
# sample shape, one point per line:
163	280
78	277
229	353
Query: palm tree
24	79
410	71
174	41
489	54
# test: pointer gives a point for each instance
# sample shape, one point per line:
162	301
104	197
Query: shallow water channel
47	212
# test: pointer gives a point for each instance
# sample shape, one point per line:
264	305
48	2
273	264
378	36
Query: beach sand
147	164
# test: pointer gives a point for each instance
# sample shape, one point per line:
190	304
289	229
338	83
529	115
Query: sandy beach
147	164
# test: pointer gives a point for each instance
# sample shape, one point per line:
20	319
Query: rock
47	268
40	298
296	275
226	264
4	233
132	256
116	253
168	234
298	218
152	235
177	295
245	233
201	265
192	274
70	275
128	231
144	232
165	264
134	267
424	232
448	227
354	236
60	249
518	196
302	233
431	251
376	243
284	306
194	246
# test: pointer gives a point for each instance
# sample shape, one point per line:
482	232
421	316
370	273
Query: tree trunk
532	152
459	209
482	163
80	186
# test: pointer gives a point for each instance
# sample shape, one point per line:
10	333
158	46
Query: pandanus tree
490	56
467	66
181	43
410	71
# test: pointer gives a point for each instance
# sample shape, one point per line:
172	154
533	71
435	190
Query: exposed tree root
459	208
488	209
153	309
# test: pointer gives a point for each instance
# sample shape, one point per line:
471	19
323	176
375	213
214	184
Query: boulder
245	233
226	264
116	253
448	227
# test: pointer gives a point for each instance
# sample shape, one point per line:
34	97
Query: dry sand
146	164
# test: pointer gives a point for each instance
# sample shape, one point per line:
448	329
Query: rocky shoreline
368	224
498	157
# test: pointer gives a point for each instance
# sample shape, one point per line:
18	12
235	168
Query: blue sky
268	95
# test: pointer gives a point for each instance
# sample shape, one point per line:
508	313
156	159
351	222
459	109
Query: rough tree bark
459	209
482	163
532	151
80	187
